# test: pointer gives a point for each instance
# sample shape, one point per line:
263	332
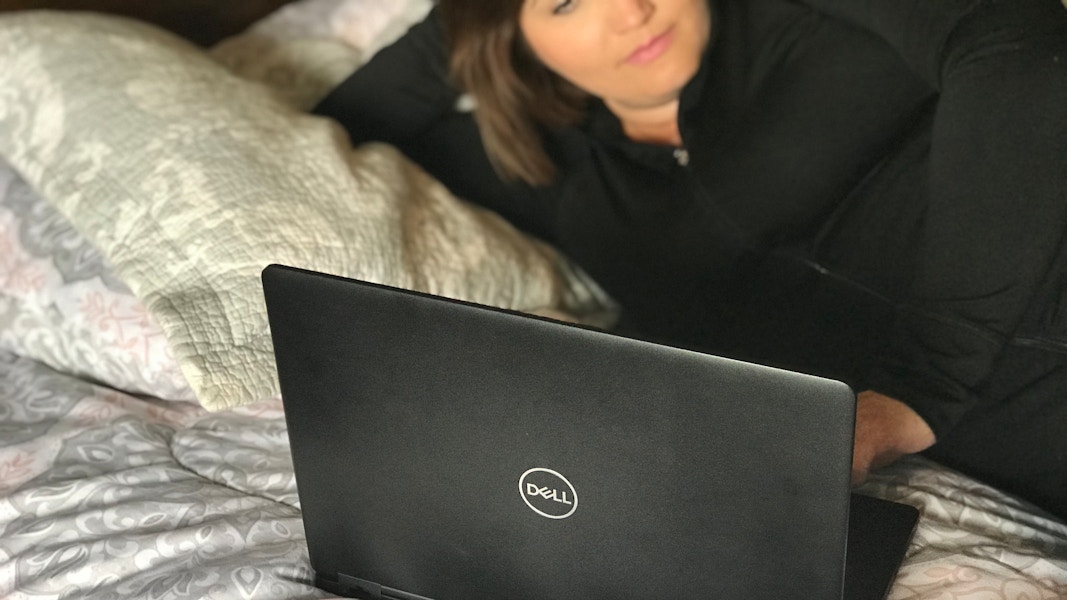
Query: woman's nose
629	14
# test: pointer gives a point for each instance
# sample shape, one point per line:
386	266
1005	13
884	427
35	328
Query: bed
144	183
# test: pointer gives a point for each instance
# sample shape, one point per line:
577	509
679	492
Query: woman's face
632	53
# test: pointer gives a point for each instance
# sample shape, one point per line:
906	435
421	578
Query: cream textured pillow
190	180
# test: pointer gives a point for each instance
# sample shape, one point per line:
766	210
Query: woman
869	190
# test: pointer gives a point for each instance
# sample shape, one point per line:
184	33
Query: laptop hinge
360	588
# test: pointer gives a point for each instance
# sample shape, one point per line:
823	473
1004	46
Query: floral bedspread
107	495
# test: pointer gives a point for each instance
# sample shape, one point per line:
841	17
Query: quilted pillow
190	180
62	304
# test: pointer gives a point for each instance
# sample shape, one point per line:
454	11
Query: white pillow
190	180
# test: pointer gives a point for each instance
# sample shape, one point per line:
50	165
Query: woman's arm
996	196
404	97
400	93
997	212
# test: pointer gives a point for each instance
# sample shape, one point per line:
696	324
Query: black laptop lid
456	452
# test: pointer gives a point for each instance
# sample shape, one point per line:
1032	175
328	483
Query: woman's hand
886	429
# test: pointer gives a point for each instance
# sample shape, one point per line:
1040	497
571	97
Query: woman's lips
652	49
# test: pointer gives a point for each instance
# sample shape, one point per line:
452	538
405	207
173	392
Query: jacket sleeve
997	212
402	91
404	97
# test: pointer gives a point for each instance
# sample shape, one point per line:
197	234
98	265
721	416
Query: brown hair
515	95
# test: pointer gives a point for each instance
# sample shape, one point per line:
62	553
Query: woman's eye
563	7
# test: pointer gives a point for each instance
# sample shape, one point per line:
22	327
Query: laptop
450	451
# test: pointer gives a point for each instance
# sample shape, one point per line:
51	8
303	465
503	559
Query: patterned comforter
107	495
143	493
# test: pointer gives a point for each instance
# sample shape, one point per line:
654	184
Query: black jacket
873	190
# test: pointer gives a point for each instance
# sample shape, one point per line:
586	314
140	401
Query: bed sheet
107	495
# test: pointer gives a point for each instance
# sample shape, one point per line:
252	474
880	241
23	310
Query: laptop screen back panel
439	446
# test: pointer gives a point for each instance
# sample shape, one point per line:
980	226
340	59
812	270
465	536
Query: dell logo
548	493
